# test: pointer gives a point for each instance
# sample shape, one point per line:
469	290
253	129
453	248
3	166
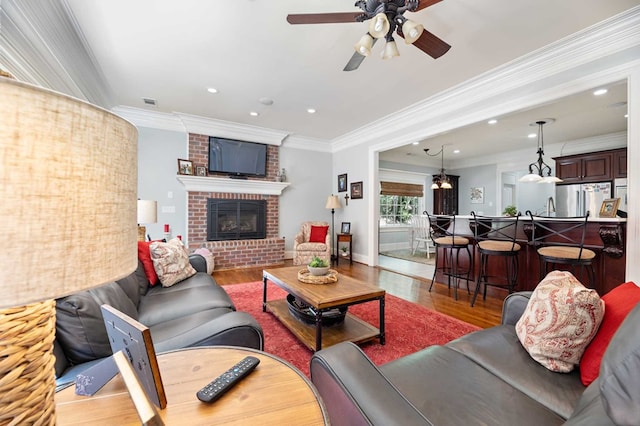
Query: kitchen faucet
551	206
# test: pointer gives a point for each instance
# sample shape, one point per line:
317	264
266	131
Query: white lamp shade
531	177
446	185
550	179
333	202
411	31
364	46
147	211
68	183
390	50
379	26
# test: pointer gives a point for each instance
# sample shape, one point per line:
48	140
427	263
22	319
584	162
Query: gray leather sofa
193	312
484	378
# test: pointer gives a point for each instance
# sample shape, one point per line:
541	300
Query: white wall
158	151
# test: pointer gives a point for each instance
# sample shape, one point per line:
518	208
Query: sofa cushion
559	322
618	303
498	350
451	389
318	234
171	261
620	372
135	284
197	293
79	324
144	256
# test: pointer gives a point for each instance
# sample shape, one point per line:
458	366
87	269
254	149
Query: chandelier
440	181
539	166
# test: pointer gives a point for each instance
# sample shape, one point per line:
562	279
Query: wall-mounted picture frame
476	195
201	171
356	190
185	167
345	228
342	182
609	207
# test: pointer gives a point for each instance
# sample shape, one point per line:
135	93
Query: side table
344	238
275	393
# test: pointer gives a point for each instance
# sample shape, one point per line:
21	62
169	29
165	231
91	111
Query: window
398	209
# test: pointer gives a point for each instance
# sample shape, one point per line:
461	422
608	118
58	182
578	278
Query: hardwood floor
485	313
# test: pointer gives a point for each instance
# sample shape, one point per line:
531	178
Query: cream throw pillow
559	322
171	262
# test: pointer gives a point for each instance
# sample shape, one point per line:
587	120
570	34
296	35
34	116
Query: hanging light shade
379	26
440	181
412	31
390	49
364	46
539	168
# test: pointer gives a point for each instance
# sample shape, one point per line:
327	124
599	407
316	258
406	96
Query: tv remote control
227	380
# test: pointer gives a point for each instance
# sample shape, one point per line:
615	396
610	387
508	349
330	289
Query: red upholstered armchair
314	239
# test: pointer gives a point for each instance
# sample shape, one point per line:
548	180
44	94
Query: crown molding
153	119
605	39
228	129
306	143
234	186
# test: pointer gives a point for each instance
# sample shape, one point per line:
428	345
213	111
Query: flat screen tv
237	158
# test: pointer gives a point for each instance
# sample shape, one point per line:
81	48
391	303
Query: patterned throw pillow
171	262
560	320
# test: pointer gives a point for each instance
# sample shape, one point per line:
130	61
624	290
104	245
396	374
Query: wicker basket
305	276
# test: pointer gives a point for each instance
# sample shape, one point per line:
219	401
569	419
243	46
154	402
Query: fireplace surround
236	219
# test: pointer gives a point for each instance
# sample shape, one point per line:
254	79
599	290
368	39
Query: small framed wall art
476	195
185	167
342	183
356	190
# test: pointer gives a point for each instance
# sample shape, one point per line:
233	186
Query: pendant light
539	165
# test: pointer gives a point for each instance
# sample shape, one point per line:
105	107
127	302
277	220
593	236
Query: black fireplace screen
236	219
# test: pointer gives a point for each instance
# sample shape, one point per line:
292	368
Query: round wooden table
274	393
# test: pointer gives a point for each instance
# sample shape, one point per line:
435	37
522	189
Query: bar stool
443	234
496	236
560	241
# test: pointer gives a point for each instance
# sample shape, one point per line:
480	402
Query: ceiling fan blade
322	18
356	59
431	45
426	3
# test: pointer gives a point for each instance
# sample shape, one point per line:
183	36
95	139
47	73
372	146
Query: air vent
149	101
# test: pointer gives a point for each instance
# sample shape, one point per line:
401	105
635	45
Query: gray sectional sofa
483	378
193	312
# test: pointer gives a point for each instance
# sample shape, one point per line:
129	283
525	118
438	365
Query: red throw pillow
318	234
145	257
617	304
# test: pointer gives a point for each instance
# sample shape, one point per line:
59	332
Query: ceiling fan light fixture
364	46
412	31
379	26
390	50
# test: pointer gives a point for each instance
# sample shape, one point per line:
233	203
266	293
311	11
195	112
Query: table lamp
147	213
68	182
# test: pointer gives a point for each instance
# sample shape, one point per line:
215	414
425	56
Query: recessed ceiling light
456	151
266	101
626	116
492	121
212	90
415	143
600	92
311	110
254	114
532	135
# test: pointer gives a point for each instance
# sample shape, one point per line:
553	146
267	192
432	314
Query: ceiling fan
386	17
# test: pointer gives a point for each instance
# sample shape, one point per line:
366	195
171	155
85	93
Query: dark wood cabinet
620	163
445	201
584	168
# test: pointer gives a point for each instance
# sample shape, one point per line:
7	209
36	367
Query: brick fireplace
242	253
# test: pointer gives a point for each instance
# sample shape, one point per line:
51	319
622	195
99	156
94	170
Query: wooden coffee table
275	393
322	298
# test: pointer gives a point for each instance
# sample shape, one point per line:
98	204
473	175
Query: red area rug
409	327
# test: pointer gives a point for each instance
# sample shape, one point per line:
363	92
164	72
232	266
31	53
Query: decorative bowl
318	271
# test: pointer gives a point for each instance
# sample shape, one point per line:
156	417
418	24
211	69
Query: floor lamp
333	203
68	182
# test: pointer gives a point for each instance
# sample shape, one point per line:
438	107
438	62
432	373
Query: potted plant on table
344	251
318	266
510	211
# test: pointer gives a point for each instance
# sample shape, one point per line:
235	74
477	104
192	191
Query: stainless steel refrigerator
576	200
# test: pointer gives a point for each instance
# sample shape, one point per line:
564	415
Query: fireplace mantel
235	186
